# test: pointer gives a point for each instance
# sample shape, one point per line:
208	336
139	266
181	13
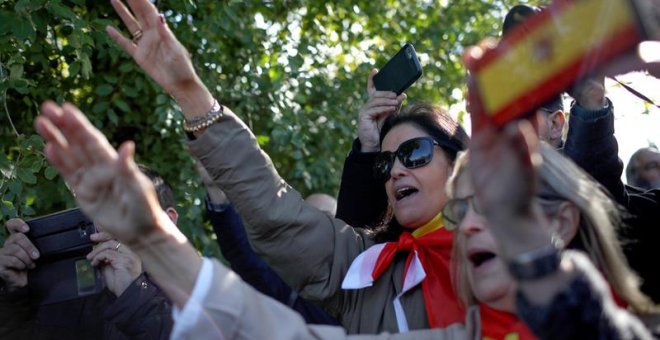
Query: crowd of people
510	233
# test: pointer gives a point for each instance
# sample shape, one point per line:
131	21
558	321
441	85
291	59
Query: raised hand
108	185
590	93
157	51
378	107
153	46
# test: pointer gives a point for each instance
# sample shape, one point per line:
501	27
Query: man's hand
590	93
109	186
119	265
17	255
372	114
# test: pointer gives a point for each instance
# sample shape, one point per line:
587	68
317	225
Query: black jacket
141	312
591	145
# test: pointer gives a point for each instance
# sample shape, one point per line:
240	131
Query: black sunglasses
412	153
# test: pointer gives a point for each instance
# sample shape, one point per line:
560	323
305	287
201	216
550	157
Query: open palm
109	187
154	47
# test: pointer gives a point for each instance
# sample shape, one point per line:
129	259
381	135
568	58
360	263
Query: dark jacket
591	145
236	249
362	201
141	312
585	310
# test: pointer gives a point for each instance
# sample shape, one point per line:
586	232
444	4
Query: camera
62	271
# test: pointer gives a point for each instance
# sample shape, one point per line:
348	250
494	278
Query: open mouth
404	192
481	257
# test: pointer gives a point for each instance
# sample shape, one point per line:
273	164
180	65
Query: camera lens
408	53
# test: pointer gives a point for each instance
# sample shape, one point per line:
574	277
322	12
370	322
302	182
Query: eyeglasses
412	154
455	210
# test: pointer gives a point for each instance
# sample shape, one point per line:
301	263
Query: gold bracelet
201	122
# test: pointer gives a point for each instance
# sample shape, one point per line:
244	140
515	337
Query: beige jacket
310	250
233	310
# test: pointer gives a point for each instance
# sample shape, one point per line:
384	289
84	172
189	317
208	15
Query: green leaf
126	67
104	90
74	68
15	187
86	66
112	115
20	85
50	173
23	29
161	99
23	5
26	176
122	105
8	209
101	107
16	71
59	10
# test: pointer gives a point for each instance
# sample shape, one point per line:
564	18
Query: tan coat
310	250
234	310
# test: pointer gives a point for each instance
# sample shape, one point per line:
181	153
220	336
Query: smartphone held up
400	72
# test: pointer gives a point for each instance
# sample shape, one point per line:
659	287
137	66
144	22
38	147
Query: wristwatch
535	264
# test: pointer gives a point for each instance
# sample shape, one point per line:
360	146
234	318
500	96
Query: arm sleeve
310	250
142	311
584	310
235	247
362	200
221	306
591	145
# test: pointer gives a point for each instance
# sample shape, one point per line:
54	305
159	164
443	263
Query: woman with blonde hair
521	213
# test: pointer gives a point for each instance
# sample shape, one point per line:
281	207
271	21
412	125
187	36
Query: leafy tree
294	70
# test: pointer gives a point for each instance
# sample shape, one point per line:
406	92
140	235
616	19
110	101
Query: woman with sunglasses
214	303
516	236
310	250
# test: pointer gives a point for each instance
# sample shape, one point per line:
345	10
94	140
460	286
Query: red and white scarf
428	263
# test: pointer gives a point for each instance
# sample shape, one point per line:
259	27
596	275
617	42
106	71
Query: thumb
127	164
370	81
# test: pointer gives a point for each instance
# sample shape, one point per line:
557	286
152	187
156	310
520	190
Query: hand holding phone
373	113
401	71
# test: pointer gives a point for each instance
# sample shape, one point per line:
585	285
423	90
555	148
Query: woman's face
416	195
486	272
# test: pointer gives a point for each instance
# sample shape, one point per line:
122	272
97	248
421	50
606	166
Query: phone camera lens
408	53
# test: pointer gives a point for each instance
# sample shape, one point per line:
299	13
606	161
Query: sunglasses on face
455	210
412	154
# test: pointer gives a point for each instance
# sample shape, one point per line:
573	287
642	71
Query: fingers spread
126	16
145	12
80	131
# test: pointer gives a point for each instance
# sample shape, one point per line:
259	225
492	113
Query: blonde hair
599	221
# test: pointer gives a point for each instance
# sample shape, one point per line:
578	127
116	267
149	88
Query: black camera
62	271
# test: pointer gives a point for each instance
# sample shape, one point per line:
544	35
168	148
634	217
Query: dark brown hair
435	121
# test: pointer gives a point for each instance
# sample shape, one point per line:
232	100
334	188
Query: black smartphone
401	71
62	271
